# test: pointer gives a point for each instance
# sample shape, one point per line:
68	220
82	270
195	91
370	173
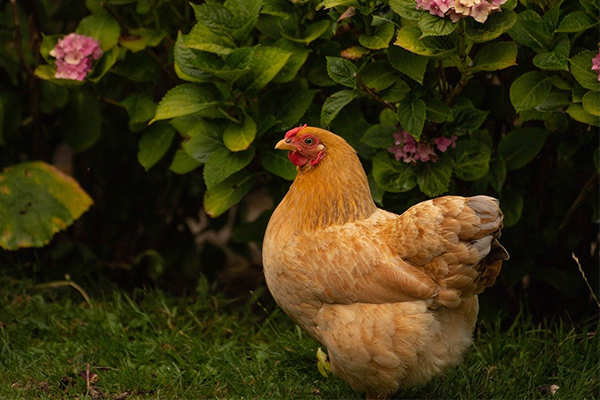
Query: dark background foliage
148	226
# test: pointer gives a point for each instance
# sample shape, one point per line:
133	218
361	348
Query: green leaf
378	75
411	64
495	56
278	8
216	17
591	103
497	174
406	8
590	6
277	163
393	176
511	203
333	104
396	92
293	64
496	24
81	121
434	178
203	38
432	25
287	103
183	163
581	68
103	28
465	117
557	59
335	3
266	64
341	71
140	38
554	102
49	42
239	137
530	30
37	201
199	65
311	33
245	13
521	146
576	21
104	64
380	38
471	160
222	163
141	108
154	144
204	136
437	111
578	113
237	64
228	193
530	90
186	99
379	136
411	114
438	47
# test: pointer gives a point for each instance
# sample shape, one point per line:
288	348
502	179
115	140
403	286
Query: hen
392	297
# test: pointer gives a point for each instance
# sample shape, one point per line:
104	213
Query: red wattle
296	158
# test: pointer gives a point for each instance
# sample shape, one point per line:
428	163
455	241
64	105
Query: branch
374	95
19	37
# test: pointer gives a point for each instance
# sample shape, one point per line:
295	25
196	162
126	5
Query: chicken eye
309	141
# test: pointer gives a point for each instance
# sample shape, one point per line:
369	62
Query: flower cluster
457	9
596	64
409	150
74	54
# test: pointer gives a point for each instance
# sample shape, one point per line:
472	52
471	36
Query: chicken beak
283	145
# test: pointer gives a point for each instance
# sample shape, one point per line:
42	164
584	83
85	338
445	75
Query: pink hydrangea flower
74	54
457	9
596	64
442	143
406	148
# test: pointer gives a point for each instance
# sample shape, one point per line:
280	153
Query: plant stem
374	95
67	282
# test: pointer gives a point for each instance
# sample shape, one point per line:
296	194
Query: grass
152	346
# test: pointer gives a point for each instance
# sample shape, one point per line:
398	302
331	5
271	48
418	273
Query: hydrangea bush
437	96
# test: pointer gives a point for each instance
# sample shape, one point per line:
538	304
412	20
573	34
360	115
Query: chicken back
392	297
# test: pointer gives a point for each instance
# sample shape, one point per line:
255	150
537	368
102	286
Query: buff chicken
393	298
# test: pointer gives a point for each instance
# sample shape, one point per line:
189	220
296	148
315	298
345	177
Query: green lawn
150	345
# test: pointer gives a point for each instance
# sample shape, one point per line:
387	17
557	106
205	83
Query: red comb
294	132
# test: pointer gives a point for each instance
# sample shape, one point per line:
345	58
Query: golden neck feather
333	192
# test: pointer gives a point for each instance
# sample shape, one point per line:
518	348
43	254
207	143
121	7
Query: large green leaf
393	176
378	75
380	39
81	121
333	105
471	160
238	137
223	163
581	68
411	64
186	99
411	114
183	163
195	65
511	203
434	177
103	28
576	21
521	146
531	31
530	90
493	27
379	136
203	38
277	162
287	103
432	25
465	117
437	111
578	113
557	59
237	64
311	32
154	144
438	47
203	136
228	193
141	38
406	8
342	71
495	56
266	64
293	64
591	103
37	201
141	108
